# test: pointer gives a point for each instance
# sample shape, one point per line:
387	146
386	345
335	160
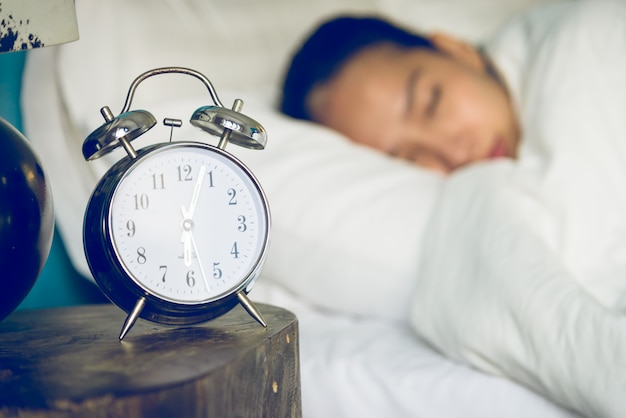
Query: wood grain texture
68	362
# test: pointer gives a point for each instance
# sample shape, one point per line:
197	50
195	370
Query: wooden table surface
69	362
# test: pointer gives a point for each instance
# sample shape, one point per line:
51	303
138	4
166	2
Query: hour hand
186	225
187	247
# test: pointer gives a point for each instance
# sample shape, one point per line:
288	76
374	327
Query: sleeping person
524	262
435	100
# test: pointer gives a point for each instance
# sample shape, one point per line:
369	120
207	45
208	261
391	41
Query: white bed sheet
364	367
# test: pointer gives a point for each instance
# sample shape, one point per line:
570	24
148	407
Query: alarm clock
176	232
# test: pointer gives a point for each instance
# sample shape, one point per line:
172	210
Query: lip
499	149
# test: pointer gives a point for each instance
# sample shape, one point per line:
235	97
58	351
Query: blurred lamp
26	209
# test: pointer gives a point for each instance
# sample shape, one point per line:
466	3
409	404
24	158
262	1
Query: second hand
195	248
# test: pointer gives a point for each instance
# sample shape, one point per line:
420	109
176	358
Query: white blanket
524	269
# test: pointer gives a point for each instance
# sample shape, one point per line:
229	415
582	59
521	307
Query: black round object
26	218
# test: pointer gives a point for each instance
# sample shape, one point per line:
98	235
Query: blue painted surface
11	68
59	283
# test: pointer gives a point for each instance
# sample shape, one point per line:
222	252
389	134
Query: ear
459	50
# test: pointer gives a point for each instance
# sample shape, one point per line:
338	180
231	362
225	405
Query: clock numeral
164	270
141	255
158	181
232	193
130	225
191	279
234	250
217	272
141	201
184	173
211	179
242	227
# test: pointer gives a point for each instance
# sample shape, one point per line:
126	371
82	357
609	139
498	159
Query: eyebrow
410	86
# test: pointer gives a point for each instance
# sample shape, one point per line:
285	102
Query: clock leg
132	317
251	308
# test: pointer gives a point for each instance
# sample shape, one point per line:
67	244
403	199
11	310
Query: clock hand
189	243
195	248
187	223
196	192
186	226
185	239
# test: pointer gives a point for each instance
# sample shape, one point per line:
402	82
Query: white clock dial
189	224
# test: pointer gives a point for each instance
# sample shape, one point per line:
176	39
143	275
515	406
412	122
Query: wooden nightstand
68	362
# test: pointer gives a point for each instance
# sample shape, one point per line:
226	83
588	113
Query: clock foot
132	317
251	308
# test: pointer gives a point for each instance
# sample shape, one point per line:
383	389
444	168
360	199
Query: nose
455	150
444	156
442	149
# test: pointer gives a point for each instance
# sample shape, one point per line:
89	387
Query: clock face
189	223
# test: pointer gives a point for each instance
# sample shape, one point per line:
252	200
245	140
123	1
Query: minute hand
196	192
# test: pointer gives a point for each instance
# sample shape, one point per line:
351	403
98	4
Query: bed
341	214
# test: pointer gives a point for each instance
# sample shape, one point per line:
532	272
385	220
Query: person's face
440	110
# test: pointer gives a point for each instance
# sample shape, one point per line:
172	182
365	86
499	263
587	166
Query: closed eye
411	92
433	103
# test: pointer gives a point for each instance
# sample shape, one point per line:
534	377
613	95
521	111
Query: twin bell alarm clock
177	232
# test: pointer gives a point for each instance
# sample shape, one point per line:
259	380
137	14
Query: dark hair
330	46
